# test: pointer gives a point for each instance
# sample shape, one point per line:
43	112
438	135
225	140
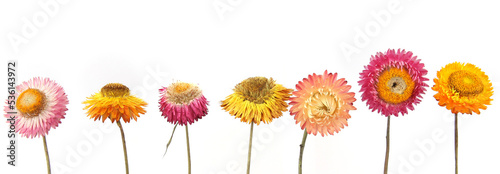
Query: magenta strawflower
41	104
393	82
182	103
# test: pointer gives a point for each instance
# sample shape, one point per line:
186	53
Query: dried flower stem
302	145
387	144
169	141
250	149
456	143
189	153
124	145
46	154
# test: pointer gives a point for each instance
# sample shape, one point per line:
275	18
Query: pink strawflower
393	82
41	104
322	103
182	103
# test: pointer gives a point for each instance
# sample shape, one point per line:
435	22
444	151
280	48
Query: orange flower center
181	87
31	102
465	83
395	85
322	106
115	90
255	89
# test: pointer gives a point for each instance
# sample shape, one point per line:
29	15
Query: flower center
181	87
395	85
255	89
465	83
182	93
31	102
322	106
115	90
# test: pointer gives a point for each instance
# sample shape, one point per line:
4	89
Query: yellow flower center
465	83
395	85
31	102
322	106
255	89
115	90
181	87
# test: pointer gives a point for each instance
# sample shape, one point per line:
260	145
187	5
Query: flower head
322	103
182	103
114	102
462	88
41	104
393	82
257	99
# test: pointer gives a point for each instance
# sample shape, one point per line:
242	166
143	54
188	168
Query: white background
83	45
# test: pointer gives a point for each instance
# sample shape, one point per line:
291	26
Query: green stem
189	153
46	154
386	165
124	145
250	149
302	150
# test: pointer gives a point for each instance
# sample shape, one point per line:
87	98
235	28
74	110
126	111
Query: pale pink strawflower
182	103
41	104
321	103
393	82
